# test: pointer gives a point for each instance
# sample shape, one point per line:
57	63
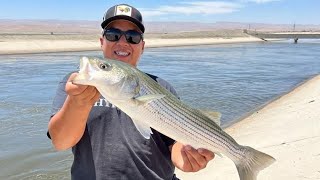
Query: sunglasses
132	37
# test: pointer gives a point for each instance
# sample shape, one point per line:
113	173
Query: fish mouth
85	67
82	78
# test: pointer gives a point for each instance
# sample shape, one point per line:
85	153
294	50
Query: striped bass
150	105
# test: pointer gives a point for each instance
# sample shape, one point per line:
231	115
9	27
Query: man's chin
126	60
121	58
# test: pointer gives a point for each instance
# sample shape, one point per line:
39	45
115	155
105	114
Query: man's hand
67	126
81	95
188	159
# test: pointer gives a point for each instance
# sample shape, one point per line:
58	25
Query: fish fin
253	161
213	115
144	129
145	99
218	154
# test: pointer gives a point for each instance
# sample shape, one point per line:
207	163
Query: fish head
114	79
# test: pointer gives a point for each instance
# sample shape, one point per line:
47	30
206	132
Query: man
104	141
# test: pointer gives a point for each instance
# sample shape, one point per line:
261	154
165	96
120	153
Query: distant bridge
289	35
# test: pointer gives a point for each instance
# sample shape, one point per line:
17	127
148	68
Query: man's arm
67	126
188	159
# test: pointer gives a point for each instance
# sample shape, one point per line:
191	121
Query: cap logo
123	10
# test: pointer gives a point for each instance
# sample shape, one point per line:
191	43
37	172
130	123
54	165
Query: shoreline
34	46
286	128
262	106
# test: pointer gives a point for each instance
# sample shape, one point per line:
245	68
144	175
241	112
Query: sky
247	11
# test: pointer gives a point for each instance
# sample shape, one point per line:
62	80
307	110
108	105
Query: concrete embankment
287	128
42	46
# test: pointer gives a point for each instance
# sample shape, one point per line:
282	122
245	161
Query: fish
149	105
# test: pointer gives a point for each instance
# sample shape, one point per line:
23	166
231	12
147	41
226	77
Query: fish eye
105	66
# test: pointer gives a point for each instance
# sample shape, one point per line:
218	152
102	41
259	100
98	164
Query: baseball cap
123	11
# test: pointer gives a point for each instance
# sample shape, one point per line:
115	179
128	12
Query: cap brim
136	22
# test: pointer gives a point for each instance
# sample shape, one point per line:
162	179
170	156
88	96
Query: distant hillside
48	26
93	27
195	26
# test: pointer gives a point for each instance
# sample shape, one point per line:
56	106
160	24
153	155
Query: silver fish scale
183	123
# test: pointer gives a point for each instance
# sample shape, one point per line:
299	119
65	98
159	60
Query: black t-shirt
112	148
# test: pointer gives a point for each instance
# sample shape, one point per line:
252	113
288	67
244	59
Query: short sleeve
59	98
168	86
168	141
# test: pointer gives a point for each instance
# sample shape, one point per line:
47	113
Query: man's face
122	50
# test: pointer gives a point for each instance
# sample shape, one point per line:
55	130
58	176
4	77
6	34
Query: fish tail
252	162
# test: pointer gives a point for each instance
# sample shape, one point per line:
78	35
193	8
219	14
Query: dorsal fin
213	115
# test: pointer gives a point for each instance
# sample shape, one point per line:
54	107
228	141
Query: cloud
200	7
260	1
196	7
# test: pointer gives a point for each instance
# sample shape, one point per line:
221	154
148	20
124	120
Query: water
232	79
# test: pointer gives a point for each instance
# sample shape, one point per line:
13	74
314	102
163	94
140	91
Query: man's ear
142	47
101	41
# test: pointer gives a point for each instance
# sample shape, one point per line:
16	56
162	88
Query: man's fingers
74	89
82	94
197	161
72	76
185	164
208	155
93	94
96	97
200	160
